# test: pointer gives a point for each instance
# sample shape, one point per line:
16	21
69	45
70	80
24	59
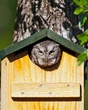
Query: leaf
82	20
86	3
77	2
83	38
80	2
78	10
82	57
86	32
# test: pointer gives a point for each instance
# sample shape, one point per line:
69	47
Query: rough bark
56	15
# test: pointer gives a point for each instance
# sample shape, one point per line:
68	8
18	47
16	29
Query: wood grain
41	90
20	68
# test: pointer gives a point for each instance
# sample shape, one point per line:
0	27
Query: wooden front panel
19	69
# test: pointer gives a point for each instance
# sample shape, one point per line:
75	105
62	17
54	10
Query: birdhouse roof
38	36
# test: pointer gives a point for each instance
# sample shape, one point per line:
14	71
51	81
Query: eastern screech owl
46	53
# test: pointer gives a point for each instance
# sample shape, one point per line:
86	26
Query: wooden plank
4	86
38	90
6	78
80	79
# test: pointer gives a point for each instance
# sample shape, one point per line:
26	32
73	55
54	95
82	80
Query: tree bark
56	15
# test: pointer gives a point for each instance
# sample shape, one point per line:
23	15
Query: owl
46	53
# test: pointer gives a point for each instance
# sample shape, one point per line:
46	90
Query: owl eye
51	52
40	52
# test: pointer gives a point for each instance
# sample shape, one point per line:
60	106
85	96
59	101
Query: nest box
26	86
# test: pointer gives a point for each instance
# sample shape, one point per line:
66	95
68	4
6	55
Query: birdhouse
27	86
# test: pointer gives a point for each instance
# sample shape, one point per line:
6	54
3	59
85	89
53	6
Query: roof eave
38	36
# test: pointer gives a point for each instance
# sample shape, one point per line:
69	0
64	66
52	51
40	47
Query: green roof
38	36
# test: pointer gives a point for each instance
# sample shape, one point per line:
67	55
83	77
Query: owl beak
46	60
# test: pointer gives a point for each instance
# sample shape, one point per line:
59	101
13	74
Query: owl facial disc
46	53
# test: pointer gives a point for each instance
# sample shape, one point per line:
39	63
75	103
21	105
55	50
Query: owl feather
46	53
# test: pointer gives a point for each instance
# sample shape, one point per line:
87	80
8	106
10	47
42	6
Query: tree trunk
56	15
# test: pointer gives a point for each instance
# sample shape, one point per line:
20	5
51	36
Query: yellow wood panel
4	86
39	90
23	70
80	79
6	79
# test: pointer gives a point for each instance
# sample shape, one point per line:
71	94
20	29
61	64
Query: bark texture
56	15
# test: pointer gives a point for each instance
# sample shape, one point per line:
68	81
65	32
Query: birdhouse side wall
20	69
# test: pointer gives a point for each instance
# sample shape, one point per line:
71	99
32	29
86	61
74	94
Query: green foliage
82	11
7	18
82	20
81	3
83	37
82	57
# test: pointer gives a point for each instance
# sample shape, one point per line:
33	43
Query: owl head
46	53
